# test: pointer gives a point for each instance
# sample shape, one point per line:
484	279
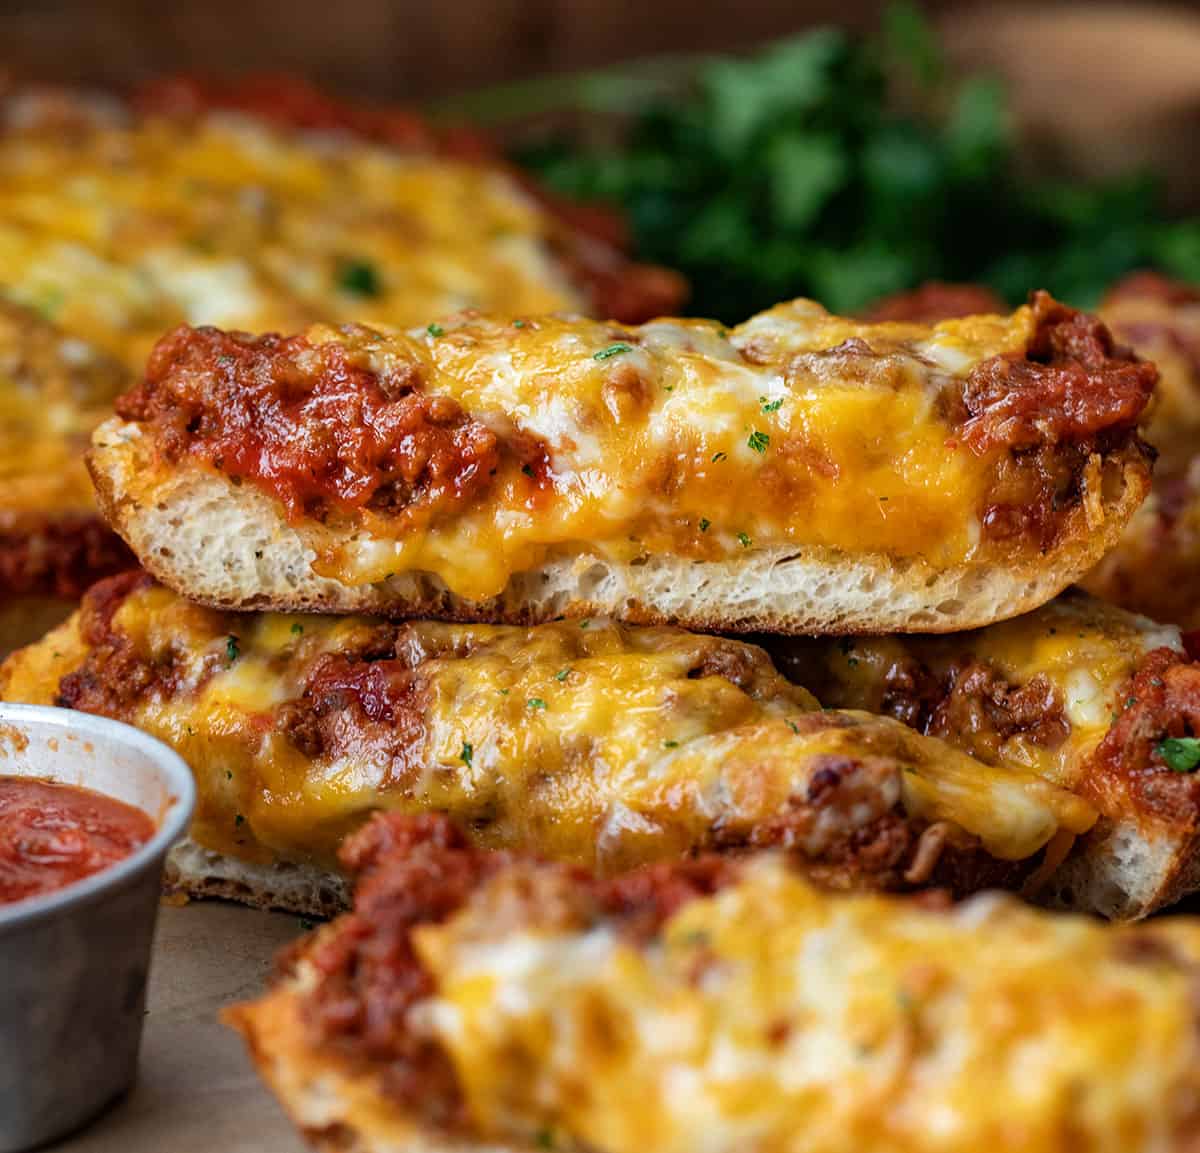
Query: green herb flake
705	524
1179	754
435	330
744	540
584	624
535	703
239	820
359	278
297	629
758	441
544	1139
562	674
670	744
852	662
794	727
228	775
612	350
468	751
232	652
527	469
770	405
718	456
518	324
307	926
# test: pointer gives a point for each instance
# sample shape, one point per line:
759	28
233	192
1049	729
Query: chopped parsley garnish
468	751
306	926
852	662
518	324
705	524
359	278
611	351
504	692
744	540
562	674
239	820
544	1139
583	624
758	441
527	469
794	727
228	775
670	744
297	629
232	652
717	456
536	703
823	166
435	330
1180	754
770	405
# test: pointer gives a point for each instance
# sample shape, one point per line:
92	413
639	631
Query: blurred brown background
1097	86
408	50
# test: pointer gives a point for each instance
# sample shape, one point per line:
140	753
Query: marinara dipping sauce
52	835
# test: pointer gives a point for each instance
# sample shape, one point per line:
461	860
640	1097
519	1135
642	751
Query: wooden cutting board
197	1091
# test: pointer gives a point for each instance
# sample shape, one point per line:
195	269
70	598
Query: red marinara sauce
52	835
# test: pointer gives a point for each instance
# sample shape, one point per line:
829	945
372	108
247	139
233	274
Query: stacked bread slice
571	492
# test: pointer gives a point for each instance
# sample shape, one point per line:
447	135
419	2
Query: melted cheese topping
120	232
54	390
776	1018
585	741
1085	649
798	428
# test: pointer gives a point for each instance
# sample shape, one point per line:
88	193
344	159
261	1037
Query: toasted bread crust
231	547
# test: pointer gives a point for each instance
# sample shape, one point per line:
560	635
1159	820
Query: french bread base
229	546
1124	872
336	1110
307	890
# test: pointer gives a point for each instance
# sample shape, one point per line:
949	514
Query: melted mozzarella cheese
584	741
118	232
53	392
777	1018
796	429
1084	649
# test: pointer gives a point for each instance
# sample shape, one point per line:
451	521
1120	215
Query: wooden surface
196	1090
386	49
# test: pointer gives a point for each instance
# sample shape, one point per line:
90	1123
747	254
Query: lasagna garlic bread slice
119	223
798	473
583	741
1084	694
1155	568
478	1002
54	390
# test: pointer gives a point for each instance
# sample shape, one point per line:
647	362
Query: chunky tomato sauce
52	835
